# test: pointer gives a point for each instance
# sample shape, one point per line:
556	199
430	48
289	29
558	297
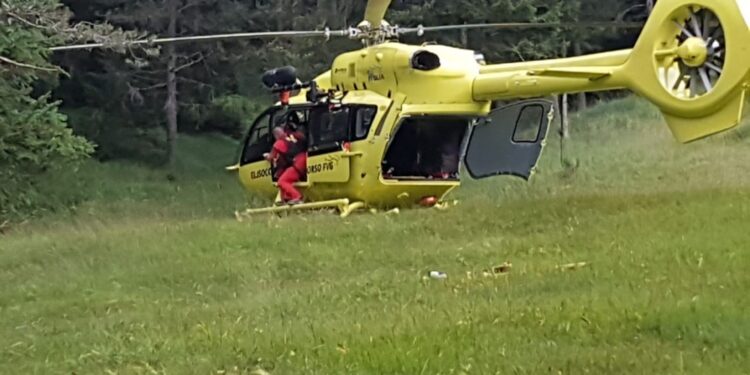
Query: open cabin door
510	140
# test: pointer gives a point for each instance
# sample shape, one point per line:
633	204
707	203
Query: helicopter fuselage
423	103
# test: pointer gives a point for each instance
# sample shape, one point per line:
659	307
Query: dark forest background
116	103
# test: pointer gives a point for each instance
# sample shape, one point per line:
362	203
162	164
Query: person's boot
295	202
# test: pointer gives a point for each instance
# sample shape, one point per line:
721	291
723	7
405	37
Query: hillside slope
155	277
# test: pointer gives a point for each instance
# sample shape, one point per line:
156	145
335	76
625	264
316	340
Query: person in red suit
277	157
297	169
288	158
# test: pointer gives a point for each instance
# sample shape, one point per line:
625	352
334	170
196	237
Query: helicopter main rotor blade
327	33
375	12
205	38
524	25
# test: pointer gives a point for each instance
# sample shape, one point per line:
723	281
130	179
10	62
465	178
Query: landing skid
343	206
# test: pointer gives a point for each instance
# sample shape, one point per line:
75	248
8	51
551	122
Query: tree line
131	103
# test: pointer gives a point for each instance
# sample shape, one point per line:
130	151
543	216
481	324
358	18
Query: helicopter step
343	206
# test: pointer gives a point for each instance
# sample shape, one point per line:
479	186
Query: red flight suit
277	157
293	173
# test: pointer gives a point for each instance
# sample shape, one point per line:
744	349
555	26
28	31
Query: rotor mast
374	29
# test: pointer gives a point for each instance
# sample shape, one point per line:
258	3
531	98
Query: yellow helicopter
389	125
397	119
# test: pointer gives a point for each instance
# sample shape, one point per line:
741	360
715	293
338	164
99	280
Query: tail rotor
693	68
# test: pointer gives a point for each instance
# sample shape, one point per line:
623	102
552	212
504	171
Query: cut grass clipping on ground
155	277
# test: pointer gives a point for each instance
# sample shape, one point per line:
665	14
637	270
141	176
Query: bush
229	115
116	138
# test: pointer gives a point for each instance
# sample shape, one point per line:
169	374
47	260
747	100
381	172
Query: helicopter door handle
353	154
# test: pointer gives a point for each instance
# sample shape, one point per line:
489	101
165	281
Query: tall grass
197	186
153	276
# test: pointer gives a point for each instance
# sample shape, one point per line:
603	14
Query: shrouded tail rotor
694	67
698	51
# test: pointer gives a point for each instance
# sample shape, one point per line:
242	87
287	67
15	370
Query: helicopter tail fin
689	129
693	61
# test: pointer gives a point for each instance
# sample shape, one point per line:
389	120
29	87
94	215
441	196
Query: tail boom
577	74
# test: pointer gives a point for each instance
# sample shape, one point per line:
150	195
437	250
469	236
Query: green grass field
148	276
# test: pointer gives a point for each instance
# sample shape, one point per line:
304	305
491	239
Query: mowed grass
156	277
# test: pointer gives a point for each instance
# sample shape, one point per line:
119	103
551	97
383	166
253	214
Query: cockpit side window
258	140
282	116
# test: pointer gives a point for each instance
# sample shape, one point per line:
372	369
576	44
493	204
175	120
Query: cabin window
529	124
329	128
363	121
426	148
